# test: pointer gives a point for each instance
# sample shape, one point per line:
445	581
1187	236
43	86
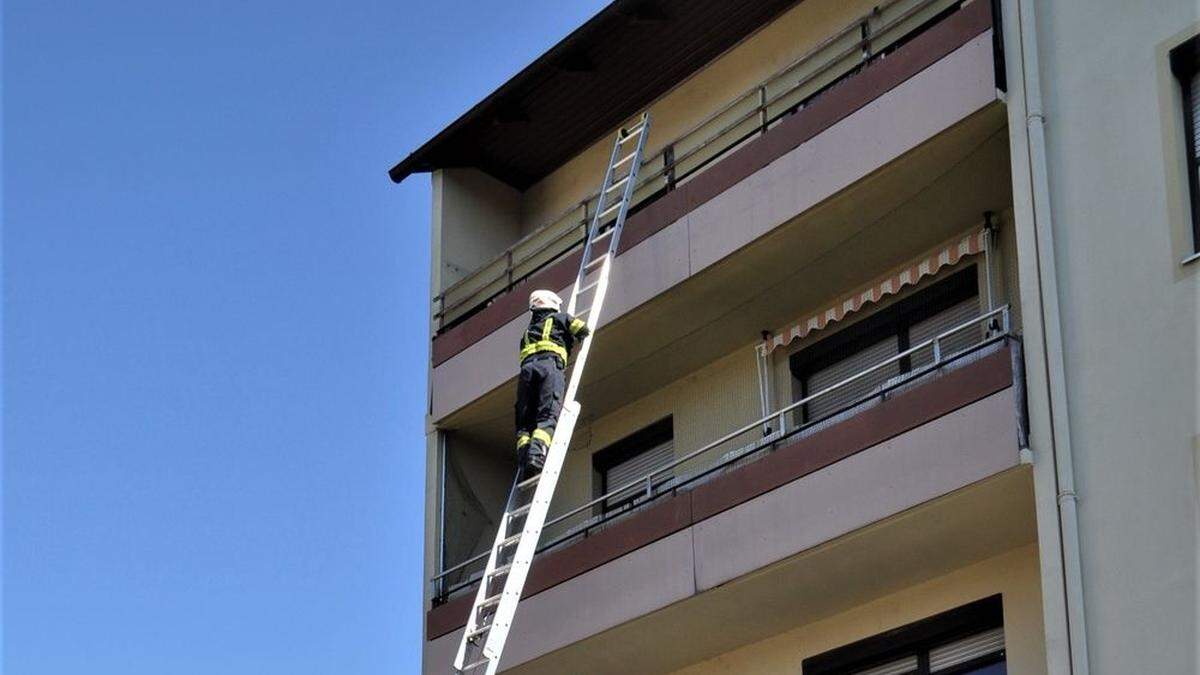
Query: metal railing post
669	165
762	109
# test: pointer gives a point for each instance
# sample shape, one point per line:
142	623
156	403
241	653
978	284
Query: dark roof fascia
411	164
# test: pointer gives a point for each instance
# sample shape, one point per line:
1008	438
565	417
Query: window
968	640
632	458
919	317
1185	63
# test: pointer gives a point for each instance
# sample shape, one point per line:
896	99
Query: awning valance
949	253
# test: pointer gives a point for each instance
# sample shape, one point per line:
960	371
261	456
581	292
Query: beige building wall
1013	574
475	217
475	489
433	528
1124	368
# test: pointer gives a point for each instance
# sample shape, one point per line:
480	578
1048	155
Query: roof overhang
606	71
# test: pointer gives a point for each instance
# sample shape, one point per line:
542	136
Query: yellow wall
475	219
1013	574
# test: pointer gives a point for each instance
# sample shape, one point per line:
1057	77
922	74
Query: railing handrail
507	255
933	342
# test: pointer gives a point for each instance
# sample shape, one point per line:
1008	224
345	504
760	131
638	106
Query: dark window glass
1185	63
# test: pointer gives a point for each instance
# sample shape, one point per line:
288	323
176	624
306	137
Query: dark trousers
540	389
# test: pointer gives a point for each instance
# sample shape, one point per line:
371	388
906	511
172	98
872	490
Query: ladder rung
529	482
611	209
593	262
582	312
631	133
510	541
606	233
478	631
624	159
475	664
501	570
488	602
618	183
589	287
520	510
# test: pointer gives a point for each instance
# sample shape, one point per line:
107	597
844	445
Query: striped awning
949	253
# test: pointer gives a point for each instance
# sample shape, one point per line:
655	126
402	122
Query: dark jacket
551	332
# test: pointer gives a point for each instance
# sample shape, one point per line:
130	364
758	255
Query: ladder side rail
535	513
593	318
482	593
534	520
595	224
630	185
605	188
586	347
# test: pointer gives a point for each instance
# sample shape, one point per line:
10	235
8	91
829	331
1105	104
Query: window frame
895	320
917	638
1185	64
643	440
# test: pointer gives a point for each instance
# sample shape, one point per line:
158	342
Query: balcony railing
869	37
705	461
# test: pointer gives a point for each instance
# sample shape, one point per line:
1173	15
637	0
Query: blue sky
215	324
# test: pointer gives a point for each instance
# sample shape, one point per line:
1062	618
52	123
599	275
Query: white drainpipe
1064	463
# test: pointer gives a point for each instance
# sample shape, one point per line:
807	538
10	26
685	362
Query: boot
533	458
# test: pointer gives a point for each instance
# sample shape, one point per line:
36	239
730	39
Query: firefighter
545	347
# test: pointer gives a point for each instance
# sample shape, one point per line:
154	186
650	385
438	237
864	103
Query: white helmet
543	299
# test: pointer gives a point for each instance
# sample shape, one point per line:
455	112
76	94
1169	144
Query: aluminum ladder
517	537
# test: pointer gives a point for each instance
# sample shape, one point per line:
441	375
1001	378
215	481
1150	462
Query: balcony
939	440
856	47
881	136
